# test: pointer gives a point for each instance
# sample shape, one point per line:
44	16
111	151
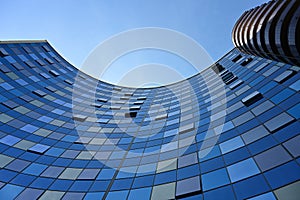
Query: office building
230	132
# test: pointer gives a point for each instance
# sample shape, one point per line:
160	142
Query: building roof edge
21	41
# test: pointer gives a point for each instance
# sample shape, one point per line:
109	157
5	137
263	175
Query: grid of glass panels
42	155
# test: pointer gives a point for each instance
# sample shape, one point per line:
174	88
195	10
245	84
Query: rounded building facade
237	140
271	31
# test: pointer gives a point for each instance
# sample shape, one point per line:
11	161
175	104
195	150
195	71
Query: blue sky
75	28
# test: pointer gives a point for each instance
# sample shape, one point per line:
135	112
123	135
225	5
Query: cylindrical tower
271	31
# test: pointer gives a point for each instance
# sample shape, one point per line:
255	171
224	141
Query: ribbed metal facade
271	30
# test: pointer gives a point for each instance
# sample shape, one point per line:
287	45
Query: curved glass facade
196	145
